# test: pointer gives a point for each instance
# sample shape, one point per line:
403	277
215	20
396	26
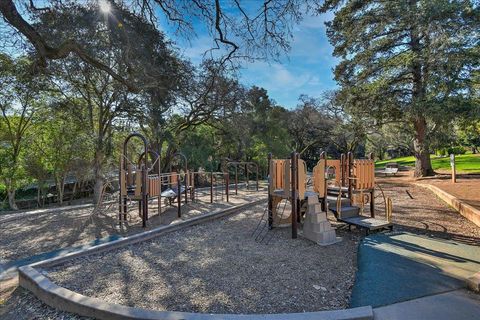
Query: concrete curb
466	210
474	282
147	235
66	300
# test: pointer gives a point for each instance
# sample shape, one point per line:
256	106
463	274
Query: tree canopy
410	61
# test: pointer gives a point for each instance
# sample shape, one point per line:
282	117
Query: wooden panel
138	183
130	174
336	165
173	178
153	185
319	178
287	175
302	178
364	172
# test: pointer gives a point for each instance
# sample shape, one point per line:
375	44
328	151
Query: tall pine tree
406	60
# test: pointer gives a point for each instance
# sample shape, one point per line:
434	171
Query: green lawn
466	163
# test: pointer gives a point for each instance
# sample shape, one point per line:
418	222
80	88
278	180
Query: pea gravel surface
51	230
218	267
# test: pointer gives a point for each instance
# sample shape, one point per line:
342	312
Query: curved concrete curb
66	300
466	210
143	236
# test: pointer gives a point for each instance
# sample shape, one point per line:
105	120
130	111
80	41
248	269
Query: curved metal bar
127	139
154	156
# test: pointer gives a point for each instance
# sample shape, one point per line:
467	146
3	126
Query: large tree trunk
11	199
423	166
98	175
60	184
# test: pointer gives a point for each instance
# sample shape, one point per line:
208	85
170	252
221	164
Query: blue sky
306	69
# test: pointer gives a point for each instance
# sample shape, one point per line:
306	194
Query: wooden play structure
143	181
139	182
287	181
344	186
352	184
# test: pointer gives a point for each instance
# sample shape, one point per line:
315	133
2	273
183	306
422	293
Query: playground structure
138	181
344	186
143	181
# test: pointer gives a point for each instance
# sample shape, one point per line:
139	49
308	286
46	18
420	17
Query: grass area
465	163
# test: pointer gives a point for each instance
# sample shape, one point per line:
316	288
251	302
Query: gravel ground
425	213
217	267
48	231
23	305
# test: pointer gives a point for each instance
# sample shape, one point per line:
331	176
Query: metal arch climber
136	182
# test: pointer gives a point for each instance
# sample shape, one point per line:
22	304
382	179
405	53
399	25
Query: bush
442	152
456	150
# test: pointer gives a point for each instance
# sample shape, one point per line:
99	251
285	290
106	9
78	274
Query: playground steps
333	191
346	211
316	227
332	201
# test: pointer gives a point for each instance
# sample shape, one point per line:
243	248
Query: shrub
456	150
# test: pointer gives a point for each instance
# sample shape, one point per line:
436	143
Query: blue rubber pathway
403	266
56	253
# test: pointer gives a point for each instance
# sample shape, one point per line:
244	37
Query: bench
391	168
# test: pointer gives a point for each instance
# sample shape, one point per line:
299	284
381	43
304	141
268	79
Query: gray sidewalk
453	305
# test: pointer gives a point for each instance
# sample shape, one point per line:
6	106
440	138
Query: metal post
257	177
186	185
120	200
372	203
297	183
454	170
193	187
227	187
323	155
294	194
211	187
270	200
179	197
372	193
236	179
159	204
349	176
144	197
246	176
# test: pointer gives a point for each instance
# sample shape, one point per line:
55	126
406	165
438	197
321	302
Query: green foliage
465	163
408	61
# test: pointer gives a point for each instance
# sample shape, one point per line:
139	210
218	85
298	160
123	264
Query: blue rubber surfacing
58	252
403	266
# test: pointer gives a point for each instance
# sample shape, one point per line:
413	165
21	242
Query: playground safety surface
402	266
47	232
218	267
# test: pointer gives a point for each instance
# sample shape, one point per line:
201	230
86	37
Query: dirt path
418	210
467	187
